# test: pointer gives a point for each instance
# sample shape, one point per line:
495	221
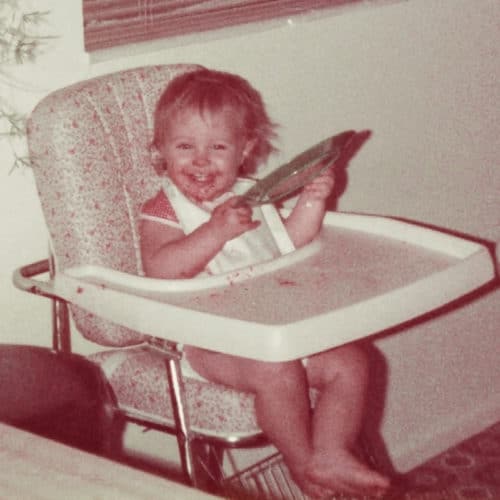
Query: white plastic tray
363	275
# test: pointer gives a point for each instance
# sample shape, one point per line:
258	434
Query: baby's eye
184	146
219	147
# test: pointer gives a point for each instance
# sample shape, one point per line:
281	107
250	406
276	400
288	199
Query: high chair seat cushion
139	379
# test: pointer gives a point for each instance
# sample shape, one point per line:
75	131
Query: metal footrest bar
270	479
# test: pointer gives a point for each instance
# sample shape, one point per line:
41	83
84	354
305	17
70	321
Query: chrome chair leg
201	462
209	462
181	417
61	336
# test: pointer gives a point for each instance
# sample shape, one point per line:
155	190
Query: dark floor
470	470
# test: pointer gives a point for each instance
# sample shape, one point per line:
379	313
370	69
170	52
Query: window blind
108	23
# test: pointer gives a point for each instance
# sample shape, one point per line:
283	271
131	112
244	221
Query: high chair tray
364	274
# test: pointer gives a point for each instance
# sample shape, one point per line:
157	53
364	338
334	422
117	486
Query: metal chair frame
201	455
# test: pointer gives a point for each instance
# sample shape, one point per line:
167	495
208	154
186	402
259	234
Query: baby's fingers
326	177
238	214
321	187
253	224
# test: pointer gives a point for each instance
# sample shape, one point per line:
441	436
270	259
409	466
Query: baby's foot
340	471
309	488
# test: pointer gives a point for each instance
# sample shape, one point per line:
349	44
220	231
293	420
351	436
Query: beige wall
422	75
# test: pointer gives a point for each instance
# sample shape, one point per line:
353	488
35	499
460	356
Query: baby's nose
201	158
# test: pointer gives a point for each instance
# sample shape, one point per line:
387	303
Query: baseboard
443	435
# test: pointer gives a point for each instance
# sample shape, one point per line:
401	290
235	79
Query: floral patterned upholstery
140	378
89	145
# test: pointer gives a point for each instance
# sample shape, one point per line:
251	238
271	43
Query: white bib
268	241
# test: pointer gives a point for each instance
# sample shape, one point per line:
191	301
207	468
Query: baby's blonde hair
211	91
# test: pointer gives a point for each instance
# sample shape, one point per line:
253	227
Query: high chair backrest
89	147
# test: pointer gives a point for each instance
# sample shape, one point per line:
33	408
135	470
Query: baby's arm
168	253
305	221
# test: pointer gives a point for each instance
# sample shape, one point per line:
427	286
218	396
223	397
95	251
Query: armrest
23	279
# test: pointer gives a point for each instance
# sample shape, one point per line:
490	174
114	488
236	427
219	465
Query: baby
211	128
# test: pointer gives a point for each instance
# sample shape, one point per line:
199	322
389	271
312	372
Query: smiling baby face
204	151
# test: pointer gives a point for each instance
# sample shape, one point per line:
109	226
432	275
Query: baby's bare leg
340	375
281	403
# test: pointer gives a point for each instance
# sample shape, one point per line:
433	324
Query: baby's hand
320	187
231	219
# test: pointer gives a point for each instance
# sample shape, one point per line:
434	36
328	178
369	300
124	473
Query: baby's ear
157	159
250	144
154	154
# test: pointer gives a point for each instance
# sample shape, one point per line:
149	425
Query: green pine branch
20	42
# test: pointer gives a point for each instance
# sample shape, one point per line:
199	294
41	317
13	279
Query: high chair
89	146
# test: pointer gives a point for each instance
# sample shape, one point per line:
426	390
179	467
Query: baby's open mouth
202	179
